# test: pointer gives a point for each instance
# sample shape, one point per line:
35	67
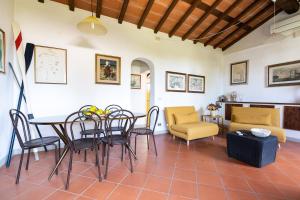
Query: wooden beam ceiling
255	27
123	11
235	21
227	11
184	17
98	8
145	13
202	18
166	15
41	1
71	5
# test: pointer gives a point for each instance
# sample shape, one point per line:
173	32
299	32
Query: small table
218	118
255	151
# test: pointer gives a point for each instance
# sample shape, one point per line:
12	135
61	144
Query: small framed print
108	69
2	51
239	73
196	83
135	81
175	82
284	74
50	65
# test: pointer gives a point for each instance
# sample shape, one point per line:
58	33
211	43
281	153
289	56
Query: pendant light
92	25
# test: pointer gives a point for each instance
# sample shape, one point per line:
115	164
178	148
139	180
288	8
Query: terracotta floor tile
264	187
176	197
150	195
236	183
289	191
211	193
186	175
36	193
62	195
159	184
84	198
163	171
135	179
122	192
100	190
80	183
184	188
240	195
208	178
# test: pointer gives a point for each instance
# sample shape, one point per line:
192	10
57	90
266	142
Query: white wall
52	24
6	80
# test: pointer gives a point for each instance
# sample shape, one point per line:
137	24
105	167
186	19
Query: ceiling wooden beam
98	8
184	17
251	19
41	1
235	21
227	11
201	19
166	15
203	6
145	13
71	4
123	11
255	27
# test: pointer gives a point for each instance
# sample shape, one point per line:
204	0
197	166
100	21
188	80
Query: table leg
66	149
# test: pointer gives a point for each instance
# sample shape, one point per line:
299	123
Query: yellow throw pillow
186	118
253	119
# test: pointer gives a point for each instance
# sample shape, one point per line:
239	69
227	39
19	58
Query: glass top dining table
57	122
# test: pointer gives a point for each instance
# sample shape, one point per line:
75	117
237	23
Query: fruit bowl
260	132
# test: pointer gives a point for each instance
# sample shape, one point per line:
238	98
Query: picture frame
50	65
239	73
2	51
196	83
175	82
284	74
107	69
136	81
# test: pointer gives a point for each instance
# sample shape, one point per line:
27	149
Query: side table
218	118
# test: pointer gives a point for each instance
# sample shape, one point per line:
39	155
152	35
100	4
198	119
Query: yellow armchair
188	130
245	118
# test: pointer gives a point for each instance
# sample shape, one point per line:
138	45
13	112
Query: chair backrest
72	131
273	112
170	111
152	117
125	120
17	117
85	111
112	108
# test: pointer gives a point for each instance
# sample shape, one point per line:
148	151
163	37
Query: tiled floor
202	171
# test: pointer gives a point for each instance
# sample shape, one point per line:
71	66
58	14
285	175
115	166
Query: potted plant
213	109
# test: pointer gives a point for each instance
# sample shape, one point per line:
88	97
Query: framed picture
284	74
175	82
50	65
135	81
108	69
196	84
239	73
2	51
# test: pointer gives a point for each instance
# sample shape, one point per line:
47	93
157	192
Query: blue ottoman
252	150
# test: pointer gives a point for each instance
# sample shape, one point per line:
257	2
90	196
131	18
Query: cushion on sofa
186	118
252	119
195	128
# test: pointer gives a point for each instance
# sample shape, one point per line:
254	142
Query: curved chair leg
28	158
129	154
148	141
122	152
103	152
107	160
20	167
154	143
69	169
56	158
135	144
98	163
59	149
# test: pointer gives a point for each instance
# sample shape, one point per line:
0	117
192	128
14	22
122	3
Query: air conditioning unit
286	27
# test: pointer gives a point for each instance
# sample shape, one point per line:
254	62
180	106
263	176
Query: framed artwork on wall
284	74
196	83
135	81
239	73
175	82
50	65
2	51
108	69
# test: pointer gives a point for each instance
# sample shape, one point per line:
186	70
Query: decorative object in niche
2	51
135	81
175	82
233	96
196	84
108	69
50	65
239	73
284	74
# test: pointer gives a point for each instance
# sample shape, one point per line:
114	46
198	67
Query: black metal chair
113	108
86	132
126	121
76	143
152	117
20	121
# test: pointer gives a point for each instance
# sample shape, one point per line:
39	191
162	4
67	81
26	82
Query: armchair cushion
186	118
259	119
